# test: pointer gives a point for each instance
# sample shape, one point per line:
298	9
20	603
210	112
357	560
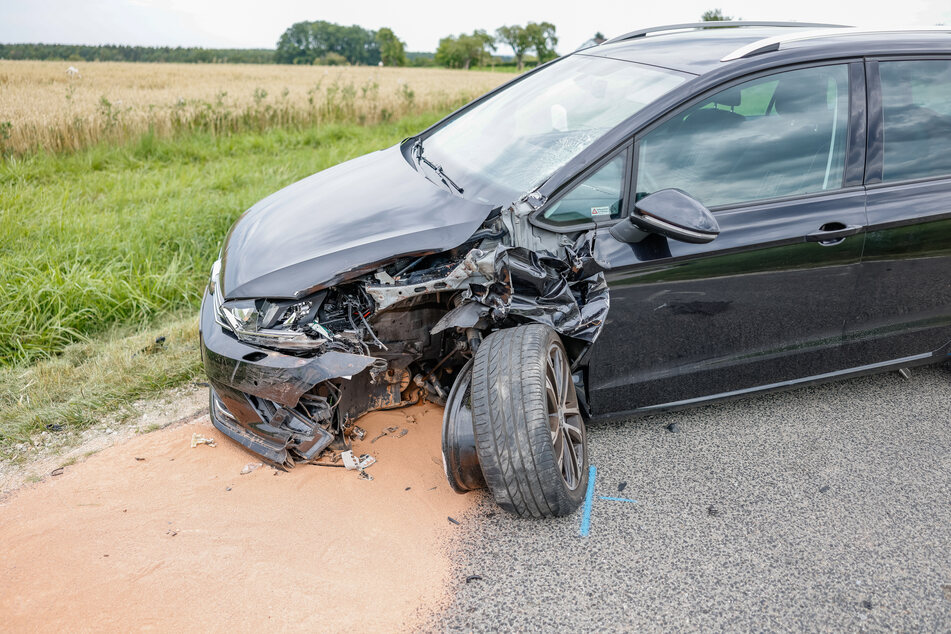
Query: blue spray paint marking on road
588	501
618	499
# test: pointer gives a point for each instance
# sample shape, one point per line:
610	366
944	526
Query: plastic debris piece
713	511
363	475
366	460
251	466
349	460
198	439
472	578
358	432
54	427
138	459
402	433
673	428
453	520
56	472
621	486
823	488
385	432
171	532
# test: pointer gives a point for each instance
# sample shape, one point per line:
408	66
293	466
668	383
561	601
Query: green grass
103	250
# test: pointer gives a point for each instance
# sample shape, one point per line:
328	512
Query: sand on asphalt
180	540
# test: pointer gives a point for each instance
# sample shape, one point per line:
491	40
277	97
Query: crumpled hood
338	223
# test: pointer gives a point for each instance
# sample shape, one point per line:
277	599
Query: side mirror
671	213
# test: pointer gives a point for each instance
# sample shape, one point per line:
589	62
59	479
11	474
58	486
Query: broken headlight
260	322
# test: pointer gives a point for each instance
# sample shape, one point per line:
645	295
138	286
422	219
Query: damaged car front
399	276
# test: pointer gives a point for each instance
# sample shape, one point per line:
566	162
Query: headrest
801	92
729	97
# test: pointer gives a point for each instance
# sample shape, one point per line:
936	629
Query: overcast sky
257	24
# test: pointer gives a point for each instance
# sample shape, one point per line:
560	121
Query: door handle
832	233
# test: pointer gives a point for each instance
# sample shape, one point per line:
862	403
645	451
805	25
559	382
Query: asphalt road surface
825	508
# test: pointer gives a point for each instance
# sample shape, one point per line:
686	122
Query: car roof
701	50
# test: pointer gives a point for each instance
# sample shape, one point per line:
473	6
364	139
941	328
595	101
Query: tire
513	416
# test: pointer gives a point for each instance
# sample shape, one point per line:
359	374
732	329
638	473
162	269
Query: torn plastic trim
279	435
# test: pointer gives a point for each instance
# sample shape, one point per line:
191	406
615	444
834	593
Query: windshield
519	137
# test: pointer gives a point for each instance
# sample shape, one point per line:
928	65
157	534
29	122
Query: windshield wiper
418	150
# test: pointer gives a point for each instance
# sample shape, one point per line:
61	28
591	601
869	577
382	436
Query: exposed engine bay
393	336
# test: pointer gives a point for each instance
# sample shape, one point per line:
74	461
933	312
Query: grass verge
103	251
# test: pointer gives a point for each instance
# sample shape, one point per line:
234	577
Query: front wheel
529	433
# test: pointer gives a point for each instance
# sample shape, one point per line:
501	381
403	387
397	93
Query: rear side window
779	135
916	97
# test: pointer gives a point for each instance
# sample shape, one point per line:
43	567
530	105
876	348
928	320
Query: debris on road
366	460
363	475
471	578
402	433
56	472
349	460
157	346
358	432
621	486
823	488
713	511
673	428
453	520
138	459
251	466
198	439
54	427
385	432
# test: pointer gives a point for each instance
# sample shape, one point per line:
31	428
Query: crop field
45	107
117	188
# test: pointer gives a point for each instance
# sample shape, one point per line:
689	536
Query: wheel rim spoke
564	417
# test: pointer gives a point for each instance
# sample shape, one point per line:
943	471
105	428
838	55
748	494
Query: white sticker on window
600	211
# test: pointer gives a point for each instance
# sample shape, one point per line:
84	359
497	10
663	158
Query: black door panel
903	299
760	304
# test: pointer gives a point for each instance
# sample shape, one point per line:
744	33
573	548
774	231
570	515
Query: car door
778	159
902	307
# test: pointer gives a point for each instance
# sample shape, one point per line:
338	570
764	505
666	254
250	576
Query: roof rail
714	24
770	44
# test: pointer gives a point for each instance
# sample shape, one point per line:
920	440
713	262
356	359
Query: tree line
322	42
117	53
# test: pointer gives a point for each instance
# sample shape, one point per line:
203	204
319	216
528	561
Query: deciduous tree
518	39
392	50
543	40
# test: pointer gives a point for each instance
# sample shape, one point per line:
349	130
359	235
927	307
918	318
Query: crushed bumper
256	394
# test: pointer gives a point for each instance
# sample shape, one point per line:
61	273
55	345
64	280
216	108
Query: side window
916	97
598	197
779	135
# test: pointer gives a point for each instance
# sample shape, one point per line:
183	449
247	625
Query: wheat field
46	106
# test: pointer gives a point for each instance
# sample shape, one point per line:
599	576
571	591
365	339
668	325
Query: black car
676	216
